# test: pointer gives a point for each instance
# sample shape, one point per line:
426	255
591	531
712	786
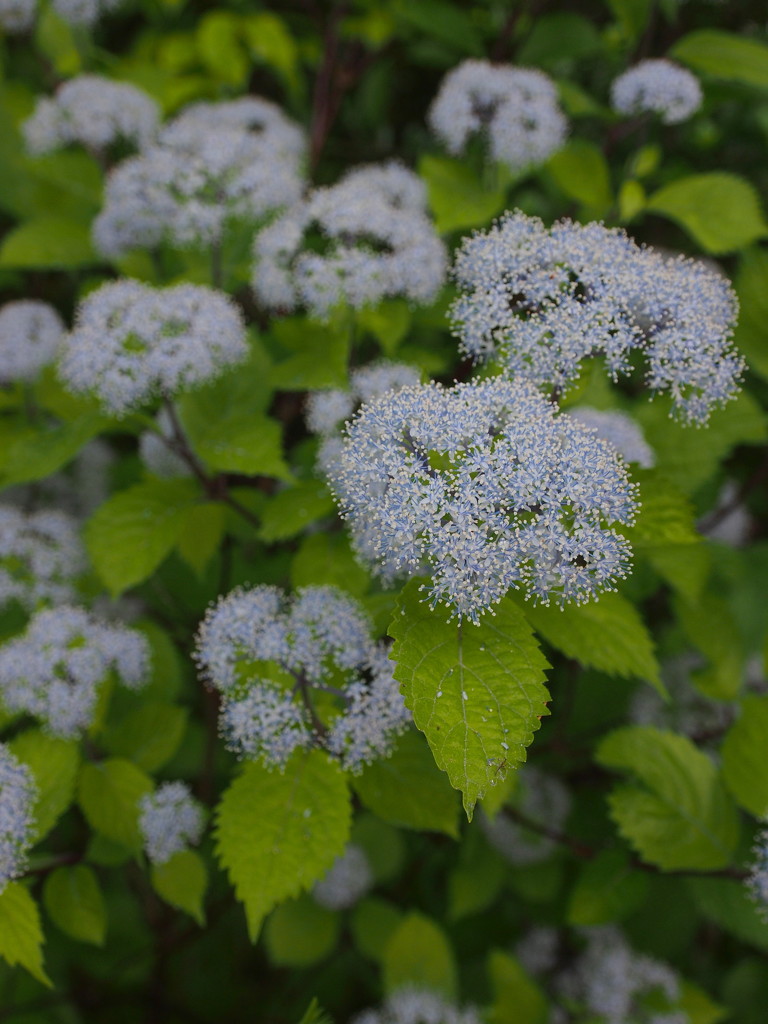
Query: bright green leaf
419	954
73	899
745	768
373	922
48	242
751	283
201	533
457	197
149	735
300	932
516	997
21	936
327	559
293	509
54	763
725	55
182	881
109	793
581	172
277	833
41	452
476	692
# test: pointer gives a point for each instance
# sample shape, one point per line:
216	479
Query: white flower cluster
757	882
17	796
215	163
30	334
483	486
132	342
347	881
54	670
613	981
618	429
539	301
17	15
364	239
515	109
300	674
93	111
41	554
170	820
657	87
411	1005
542	799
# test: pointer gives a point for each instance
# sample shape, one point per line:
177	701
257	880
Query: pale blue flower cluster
410	1005
612	981
539	301
515	109
376	242
347	881
18	792
300	673
30	334
41	555
132	342
170	820
55	669
482	486
214	164
657	87
757	882
17	15
95	112
618	429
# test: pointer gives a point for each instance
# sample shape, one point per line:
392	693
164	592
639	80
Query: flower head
17	15
483	487
371	240
540	301
757	882
347	881
170	819
95	112
515	109
410	1005
41	554
30	334
132	342
84	12
300	674
659	87
55	669
17	796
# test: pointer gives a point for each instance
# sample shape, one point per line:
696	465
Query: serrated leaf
73	899
476	692
457	197
241	442
406	789
54	763
419	954
182	882
725	55
677	814
277	833
149	735
132	533
109	794
690	201
21	935
743	752
607	634
300	932
516	997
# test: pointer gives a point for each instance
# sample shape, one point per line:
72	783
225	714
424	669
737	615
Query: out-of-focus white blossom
409	1005
347	881
41	555
84	12
170	820
30	334
658	87
618	429
17	16
17	796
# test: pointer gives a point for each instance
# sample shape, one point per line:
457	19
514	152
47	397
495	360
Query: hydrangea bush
383	436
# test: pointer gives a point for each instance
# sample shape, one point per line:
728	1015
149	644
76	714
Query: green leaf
709	625
277	833
666	515
48	242
39	453
677	813
149	735
607	634
315	1014
300	932
373	923
581	172
743	753
293	509
182	882
515	996
165	678
320	354
442	21
697	1006
73	899
270	40
407	789
476	692
457	197
556	38
729	904
219	46
607	889
419	954
725	55
21	936
54	763
475	882
388	322
691	200
201	533
132	533
327	559
751	283
109	793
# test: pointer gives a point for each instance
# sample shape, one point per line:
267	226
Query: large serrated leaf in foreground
21	936
678	814
476	692
278	833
